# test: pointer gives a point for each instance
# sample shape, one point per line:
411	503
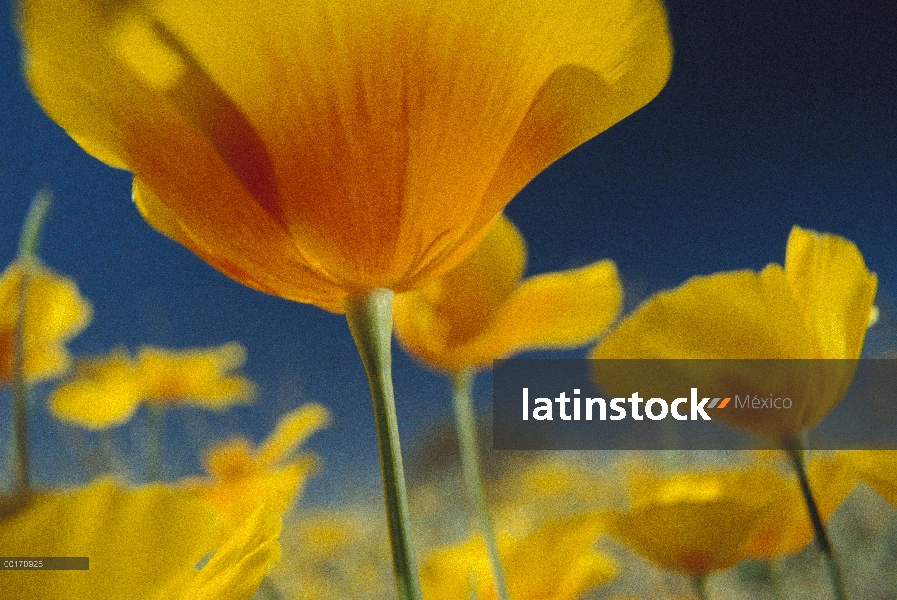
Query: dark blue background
777	113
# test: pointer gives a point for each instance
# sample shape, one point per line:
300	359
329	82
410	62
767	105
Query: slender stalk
796	453
369	315
465	423
34	223
21	401
700	584
21	426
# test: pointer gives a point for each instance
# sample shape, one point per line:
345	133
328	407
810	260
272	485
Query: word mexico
654	409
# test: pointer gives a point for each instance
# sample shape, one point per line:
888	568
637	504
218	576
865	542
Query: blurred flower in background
105	392
556	561
818	306
693	522
242	478
54	313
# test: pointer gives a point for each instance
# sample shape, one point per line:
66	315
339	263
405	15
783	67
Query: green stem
155	443
21	417
21	401
795	451
370	320
700	584
465	423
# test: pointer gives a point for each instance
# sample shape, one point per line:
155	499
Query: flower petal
103	393
478	312
739	314
834	289
694	522
236	569
55	312
877	468
459	306
534	568
786	528
554	310
293	429
136	540
379	138
199	376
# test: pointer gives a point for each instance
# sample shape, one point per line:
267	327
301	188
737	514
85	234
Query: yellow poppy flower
313	150
695	522
786	528
878	468
557	561
137	541
244	478
54	313
106	392
482	311
817	307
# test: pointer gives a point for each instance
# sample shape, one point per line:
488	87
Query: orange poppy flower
313	150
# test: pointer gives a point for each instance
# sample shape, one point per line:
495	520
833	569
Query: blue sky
777	113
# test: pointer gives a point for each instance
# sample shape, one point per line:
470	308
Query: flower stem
796	452
21	401
465	423
370	320
700	584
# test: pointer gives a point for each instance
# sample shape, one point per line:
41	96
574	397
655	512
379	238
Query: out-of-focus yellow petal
741	314
236	569
55	312
555	310
480	311
534	566
466	299
786	528
194	376
877	468
106	392
237	498
694	523
455	309
137	541
370	144
102	393
562	575
292	430
834	290
244	478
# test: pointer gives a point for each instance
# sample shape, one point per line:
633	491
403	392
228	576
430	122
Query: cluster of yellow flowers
695	522
143	541
358	156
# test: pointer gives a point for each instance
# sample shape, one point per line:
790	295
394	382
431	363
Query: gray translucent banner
579	404
44	563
